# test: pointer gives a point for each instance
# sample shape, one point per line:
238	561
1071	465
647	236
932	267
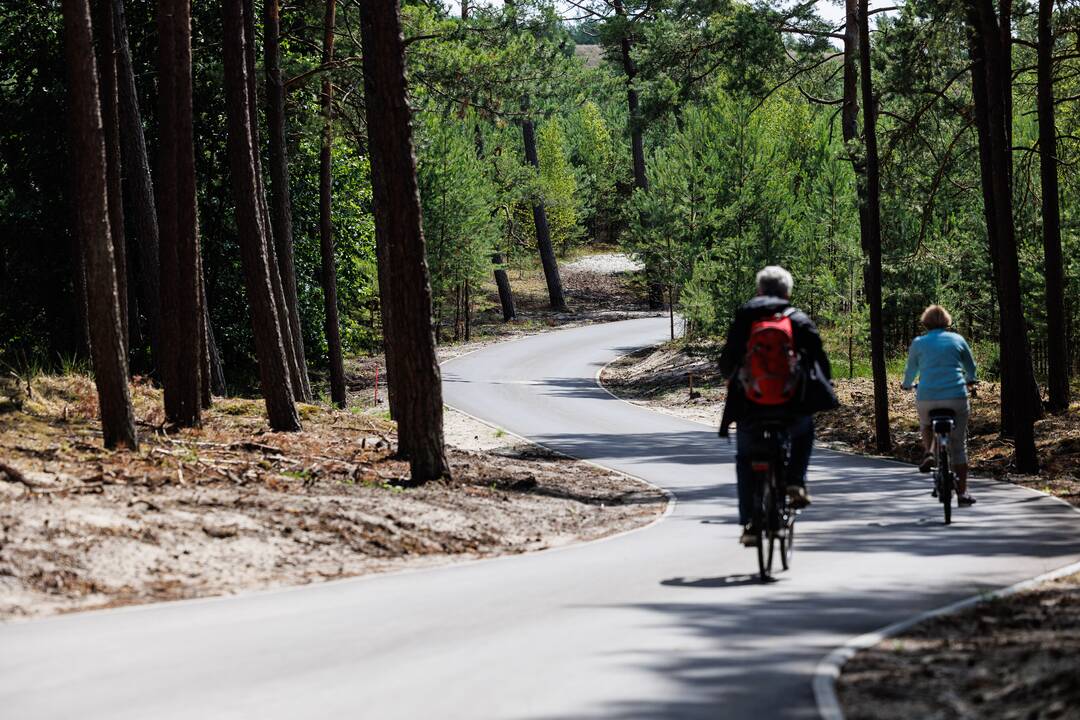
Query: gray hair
775	281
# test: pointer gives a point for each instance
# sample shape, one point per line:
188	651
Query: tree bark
637	142
396	198
165	189
1020	391
502	281
182	329
977	55
110	117
540	221
295	380
216	372
139	198
468	311
103	301
326	219
1057	359
871	237
280	195
270	348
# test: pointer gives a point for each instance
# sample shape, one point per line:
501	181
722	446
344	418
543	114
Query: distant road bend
666	622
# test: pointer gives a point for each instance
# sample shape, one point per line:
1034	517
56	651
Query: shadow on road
714	582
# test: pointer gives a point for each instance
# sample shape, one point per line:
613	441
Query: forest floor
233	507
1017	657
1013	657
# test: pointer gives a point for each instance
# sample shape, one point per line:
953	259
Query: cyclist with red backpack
777	369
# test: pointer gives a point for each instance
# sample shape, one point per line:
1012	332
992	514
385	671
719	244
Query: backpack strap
789	311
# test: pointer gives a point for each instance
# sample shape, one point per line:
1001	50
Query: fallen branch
13	474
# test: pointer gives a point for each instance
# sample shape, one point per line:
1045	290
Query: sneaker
797	496
965	500
927	464
750	536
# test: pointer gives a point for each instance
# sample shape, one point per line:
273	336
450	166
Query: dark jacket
817	392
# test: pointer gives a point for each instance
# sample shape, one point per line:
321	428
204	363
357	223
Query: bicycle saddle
942	419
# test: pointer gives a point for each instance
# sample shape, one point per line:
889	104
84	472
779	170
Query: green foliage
558	186
592	151
459	225
744	169
722	203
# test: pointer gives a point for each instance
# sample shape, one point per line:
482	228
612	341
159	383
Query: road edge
828	668
669	507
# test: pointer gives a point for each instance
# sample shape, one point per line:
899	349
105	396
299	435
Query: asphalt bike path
665	622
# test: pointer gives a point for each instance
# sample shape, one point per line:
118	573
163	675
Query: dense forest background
707	137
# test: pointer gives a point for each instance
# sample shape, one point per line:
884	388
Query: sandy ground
232	507
1014	658
604	264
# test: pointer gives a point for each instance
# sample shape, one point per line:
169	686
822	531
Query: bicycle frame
944	480
775	520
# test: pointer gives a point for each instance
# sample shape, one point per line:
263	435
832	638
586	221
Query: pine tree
103	302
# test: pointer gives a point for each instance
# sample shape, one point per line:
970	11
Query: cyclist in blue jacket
945	368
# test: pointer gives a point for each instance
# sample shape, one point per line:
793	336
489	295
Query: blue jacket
943	363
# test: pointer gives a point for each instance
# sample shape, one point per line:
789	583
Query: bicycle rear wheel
946	487
765	534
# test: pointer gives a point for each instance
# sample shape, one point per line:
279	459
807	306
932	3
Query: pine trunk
93	231
1057	360
540	221
296	382
139	189
250	220
182	331
986	177
871	238
213	354
502	281
407	290
280	195
1022	393
326	219
110	117
637	144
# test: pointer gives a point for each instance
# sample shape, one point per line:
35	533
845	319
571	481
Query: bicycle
942	421
773	517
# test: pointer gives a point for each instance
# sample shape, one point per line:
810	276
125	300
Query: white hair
775	281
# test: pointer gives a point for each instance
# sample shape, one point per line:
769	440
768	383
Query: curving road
660	623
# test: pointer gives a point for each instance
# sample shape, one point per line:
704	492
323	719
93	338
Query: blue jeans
801	432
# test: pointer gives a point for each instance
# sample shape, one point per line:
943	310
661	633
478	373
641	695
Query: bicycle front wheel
787	540
765	551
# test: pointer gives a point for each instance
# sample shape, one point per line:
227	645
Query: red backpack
771	372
